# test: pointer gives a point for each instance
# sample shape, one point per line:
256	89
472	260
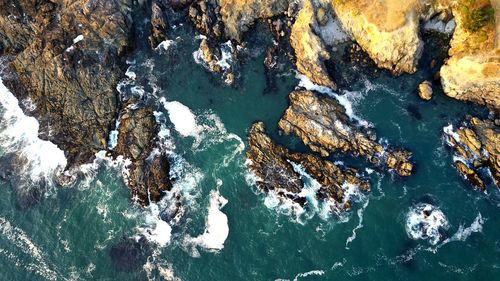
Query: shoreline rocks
148	174
66	58
425	90
323	125
273	165
472	73
476	146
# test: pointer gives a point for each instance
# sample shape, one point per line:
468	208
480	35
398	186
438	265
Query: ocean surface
90	230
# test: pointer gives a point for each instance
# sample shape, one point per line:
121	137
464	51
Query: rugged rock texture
67	62
472	73
387	30
425	90
310	52
206	18
477	147
272	163
66	58
158	24
239	15
148	174
322	124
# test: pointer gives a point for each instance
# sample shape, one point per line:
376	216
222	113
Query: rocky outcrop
472	73
425	90
323	125
476	145
387	30
239	15
158	25
206	18
66	57
148	173
69	68
274	166
310	52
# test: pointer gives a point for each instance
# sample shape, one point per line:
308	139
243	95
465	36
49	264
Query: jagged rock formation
387	30
477	147
158	24
323	125
68	65
239	15
66	57
472	73
272	163
310	52
148	173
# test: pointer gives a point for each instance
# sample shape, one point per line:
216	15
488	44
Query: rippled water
77	232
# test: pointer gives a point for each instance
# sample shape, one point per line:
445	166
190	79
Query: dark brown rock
272	163
158	24
148	174
323	125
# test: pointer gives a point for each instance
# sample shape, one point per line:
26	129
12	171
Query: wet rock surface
148	173
69	67
425	90
158	25
323	125
66	58
273	165
476	145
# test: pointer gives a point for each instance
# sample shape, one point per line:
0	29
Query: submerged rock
476	145
425	90
148	174
322	124
274	166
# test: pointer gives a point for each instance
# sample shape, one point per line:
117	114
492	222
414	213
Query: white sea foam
165	45
343	100
425	221
448	130
309	273
274	199
360	213
206	128
464	232
19	137
216	229
226	55
183	119
157	230
22	241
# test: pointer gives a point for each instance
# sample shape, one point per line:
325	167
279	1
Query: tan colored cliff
388	30
310	52
472	73
239	15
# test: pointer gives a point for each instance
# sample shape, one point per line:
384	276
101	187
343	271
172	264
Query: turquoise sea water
75	232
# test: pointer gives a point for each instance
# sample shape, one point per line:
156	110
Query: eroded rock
425	90
476	145
148	174
274	166
310	52
323	125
